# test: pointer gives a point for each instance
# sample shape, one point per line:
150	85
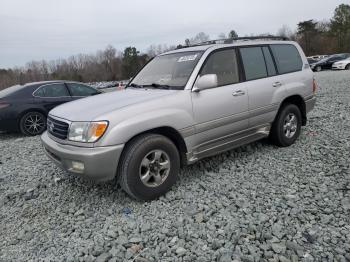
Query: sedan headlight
88	132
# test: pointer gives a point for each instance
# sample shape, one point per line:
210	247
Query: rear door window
287	58
253	63
223	63
81	90
52	90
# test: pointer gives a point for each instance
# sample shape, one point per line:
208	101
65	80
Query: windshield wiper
135	85
158	86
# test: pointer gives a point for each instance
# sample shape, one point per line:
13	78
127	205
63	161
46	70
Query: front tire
347	67
32	123
287	126
149	166
318	69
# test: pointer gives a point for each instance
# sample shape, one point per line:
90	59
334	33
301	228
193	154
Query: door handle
277	84
238	93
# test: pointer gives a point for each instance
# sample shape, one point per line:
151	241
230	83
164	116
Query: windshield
330	58
167	71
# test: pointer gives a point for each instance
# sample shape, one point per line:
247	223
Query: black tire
318	69
129	168
347	67
32	123
279	135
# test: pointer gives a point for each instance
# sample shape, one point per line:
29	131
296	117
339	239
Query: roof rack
231	40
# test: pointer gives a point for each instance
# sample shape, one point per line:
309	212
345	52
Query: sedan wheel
33	123
318	69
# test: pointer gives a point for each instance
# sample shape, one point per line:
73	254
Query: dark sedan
25	107
327	62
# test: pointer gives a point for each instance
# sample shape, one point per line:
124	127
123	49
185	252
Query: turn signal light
96	130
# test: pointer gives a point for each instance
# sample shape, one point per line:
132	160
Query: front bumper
338	67
310	104
99	163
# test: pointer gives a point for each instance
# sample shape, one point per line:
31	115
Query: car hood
90	108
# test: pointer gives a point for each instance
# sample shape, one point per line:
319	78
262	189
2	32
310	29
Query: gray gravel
255	203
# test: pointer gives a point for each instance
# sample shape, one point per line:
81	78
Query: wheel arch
299	102
170	133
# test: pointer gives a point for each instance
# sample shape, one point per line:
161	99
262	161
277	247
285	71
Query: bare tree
222	36
285	31
199	38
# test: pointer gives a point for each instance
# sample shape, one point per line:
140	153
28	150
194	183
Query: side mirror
206	82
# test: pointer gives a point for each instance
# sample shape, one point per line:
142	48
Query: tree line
323	37
315	37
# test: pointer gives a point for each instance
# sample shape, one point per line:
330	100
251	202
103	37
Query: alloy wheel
290	125
154	168
34	124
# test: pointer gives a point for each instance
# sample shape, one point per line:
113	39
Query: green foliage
232	34
307	30
132	62
308	26
340	27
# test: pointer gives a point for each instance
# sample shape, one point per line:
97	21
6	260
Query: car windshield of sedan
170	71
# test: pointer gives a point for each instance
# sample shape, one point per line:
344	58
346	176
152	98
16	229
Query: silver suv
184	105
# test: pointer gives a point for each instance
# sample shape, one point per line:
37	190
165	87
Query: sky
53	29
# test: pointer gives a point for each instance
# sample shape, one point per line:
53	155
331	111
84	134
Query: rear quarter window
287	58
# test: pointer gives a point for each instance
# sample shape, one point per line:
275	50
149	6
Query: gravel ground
255	203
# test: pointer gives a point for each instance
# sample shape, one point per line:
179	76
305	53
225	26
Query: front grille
57	128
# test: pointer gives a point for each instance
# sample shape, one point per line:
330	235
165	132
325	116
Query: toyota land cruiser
184	105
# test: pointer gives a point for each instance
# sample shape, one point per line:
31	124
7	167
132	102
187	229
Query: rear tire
149	166
32	123
287	125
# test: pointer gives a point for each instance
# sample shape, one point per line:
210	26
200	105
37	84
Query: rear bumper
310	104
99	163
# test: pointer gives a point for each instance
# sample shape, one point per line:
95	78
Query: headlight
87	132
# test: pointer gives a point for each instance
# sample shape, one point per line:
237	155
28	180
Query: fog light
78	166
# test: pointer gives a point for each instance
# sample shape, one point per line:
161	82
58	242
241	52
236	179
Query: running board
228	143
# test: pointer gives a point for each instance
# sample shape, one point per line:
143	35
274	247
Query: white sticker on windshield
187	58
